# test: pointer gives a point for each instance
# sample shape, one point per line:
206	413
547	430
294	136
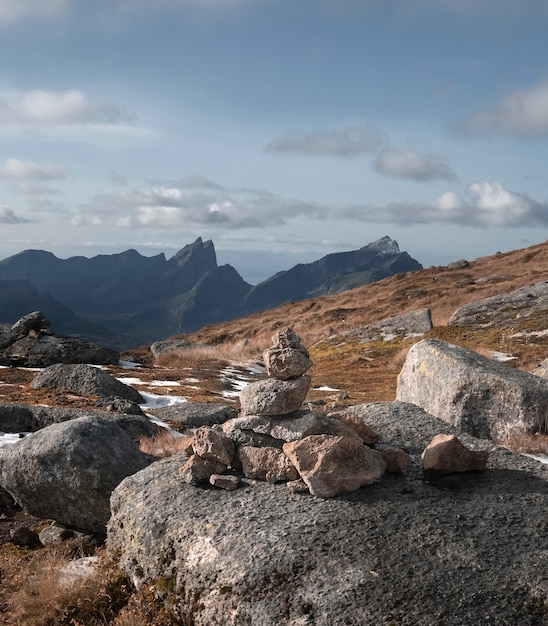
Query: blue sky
282	130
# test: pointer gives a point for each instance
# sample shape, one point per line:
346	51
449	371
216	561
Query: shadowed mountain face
132	300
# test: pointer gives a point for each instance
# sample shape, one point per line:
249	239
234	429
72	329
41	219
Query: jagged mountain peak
384	245
201	250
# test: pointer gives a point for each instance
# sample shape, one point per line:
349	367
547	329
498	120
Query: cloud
489	205
183	204
346	142
14	169
12	11
483	204
522	113
72	107
412	165
7	216
28	178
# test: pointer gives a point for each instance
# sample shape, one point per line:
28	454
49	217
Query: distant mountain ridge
127	299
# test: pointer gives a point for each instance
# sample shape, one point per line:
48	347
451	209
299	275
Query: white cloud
15	10
42	108
489	205
16	170
523	112
483	205
7	216
346	142
412	165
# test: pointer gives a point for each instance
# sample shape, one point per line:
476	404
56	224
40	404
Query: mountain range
126	299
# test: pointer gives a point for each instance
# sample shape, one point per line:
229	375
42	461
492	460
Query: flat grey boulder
66	472
21	418
261	430
403	550
195	414
274	397
479	395
515	309
84	380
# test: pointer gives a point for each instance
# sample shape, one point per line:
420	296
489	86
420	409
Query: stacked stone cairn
275	440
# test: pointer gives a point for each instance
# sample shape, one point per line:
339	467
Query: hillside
127	299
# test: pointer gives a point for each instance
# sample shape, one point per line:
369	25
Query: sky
283	130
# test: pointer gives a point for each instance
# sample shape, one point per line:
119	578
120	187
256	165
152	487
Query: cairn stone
274	397
269	464
209	444
199	470
287	358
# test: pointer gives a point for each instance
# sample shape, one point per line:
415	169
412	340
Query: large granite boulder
479	395
464	549
84	380
66	472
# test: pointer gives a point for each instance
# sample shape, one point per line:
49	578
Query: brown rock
445	454
209	444
297	486
352	418
198	470
269	464
333	465
396	460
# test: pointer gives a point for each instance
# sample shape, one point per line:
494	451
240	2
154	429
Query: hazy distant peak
384	245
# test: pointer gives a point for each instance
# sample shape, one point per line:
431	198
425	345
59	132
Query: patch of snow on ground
7	439
164	383
237	380
128	365
501	356
191	380
153	400
131	381
325	388
543	458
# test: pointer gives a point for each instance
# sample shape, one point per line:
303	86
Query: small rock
212	445
224	481
297	486
396	459
445	454
269	464
198	470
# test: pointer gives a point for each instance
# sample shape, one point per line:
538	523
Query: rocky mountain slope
127	299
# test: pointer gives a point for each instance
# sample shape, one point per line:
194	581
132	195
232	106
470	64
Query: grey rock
512	310
66	472
258	430
84	380
287	357
274	397
411	324
159	348
458	265
19	418
404	549
483	397
35	321
195	414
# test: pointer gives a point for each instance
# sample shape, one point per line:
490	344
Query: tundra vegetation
34	591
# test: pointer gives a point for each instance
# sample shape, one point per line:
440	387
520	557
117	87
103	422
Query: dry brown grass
531	444
40	595
165	444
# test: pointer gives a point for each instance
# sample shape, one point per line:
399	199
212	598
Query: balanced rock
445	454
274	397
209	444
333	465
287	358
